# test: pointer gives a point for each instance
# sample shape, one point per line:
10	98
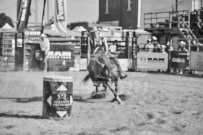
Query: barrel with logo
57	96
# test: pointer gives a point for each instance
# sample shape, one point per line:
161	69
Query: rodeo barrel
57	96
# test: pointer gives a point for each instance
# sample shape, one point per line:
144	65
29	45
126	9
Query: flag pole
42	23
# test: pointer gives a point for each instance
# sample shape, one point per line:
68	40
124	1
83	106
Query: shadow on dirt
86	100
99	98
24	100
21	116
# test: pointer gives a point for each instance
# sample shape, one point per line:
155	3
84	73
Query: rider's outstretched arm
106	45
88	50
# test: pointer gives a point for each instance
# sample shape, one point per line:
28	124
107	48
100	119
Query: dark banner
84	44
122	50
19	51
23	14
178	60
18	8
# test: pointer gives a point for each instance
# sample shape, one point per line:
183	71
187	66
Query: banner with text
23	15
61	16
178	60
150	61
60	57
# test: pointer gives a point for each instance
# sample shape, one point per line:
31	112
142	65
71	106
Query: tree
5	19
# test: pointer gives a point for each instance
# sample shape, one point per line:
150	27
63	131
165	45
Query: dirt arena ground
155	104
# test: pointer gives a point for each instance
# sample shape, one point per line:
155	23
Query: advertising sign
196	61
152	61
23	15
61	16
84	44
32	35
19	51
178	60
60	57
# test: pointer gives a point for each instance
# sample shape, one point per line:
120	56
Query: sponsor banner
61	52
122	50
59	64
61	16
32	35
84	45
196	61
23	15
152	61
60	57
178	60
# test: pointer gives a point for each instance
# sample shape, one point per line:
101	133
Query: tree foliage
5	19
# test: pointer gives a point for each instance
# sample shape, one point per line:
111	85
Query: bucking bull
104	71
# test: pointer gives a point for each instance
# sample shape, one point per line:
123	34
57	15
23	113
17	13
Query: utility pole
176	6
36	11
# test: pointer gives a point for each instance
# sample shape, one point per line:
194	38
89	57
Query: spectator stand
152	58
173	27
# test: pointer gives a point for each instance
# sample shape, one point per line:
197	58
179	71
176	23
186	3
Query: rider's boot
122	74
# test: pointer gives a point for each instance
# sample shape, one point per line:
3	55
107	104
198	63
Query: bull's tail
86	78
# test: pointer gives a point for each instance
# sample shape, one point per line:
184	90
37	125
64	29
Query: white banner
60	9
196	61
124	64
150	61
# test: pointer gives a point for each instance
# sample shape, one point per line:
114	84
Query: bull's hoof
124	97
117	99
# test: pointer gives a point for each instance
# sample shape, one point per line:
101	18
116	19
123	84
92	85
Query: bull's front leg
114	91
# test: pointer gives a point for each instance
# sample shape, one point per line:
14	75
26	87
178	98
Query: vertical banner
18	8
19	51
60	16
42	23
151	61
24	13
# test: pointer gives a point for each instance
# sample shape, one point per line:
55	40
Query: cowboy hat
182	42
154	38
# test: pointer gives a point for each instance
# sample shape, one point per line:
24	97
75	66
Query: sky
78	10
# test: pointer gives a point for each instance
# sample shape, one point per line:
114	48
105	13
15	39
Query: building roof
79	29
6	26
